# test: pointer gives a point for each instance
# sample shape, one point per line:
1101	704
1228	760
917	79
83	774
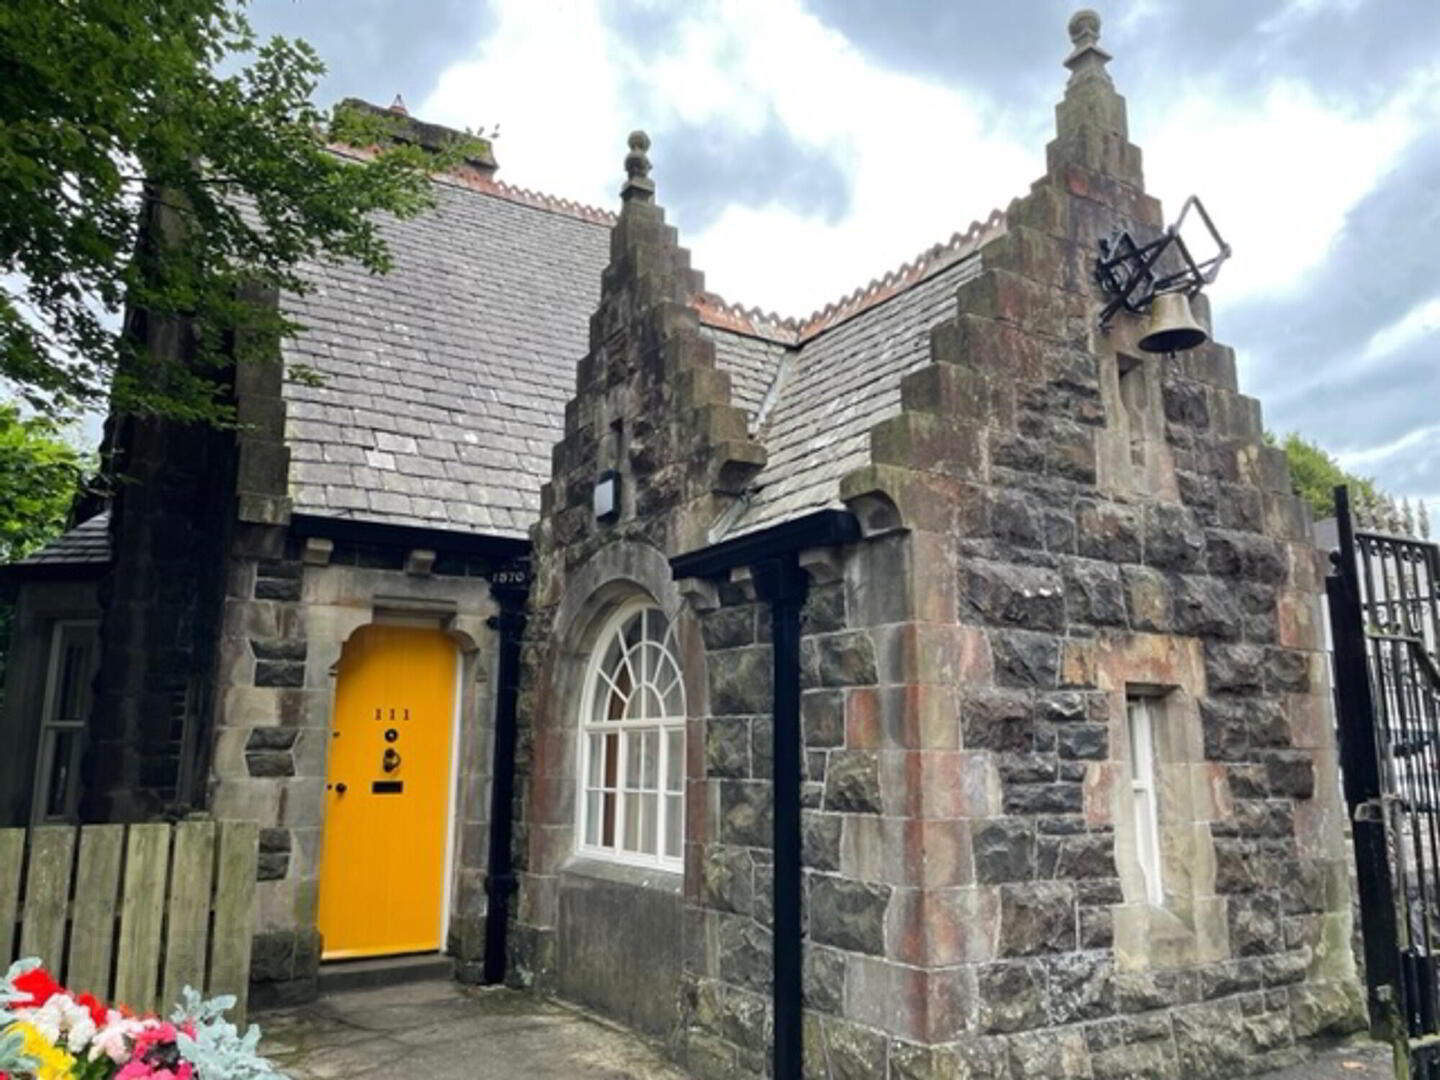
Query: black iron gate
1384	596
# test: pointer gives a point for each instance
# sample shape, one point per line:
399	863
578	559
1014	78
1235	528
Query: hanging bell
1172	326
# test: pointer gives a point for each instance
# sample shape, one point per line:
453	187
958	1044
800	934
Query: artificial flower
40	987
51	1062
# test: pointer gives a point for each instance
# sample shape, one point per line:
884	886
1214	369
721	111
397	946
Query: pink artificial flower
154	1056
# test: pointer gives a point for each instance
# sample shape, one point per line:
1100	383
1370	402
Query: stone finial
1086	59
398	106
638	184
1424	521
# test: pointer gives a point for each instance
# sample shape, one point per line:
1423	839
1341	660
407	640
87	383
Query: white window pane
674	825
649	808
650	772
674	703
675	760
74	671
632	822
633	752
607	820
634	776
592	818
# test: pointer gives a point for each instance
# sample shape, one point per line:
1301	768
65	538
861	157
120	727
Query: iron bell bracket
1129	272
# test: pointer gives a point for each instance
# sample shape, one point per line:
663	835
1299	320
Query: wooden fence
133	913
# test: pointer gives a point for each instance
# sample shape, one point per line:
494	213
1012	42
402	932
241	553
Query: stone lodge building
929	688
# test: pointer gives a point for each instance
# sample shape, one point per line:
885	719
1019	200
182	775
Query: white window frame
669	791
52	726
1141	713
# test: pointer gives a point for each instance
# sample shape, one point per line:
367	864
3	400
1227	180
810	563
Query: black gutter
823	528
354	530
511	587
773	556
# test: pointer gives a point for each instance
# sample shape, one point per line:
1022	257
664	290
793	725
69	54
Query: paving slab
443	1031
1360	1060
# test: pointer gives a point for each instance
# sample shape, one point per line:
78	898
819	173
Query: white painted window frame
1142	713
667	789
52	727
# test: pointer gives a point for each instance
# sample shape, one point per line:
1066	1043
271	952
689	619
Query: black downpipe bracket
510	587
784	584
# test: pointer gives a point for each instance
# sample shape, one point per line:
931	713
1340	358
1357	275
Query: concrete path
1358	1061
440	1031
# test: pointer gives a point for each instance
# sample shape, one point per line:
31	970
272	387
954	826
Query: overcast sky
805	146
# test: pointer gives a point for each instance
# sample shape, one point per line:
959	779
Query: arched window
632	742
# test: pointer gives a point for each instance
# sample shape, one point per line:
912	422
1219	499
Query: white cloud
923	160
1280	171
1419	322
1278	179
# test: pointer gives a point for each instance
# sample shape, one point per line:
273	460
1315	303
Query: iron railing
1385	620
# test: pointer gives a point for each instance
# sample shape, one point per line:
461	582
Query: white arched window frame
632	743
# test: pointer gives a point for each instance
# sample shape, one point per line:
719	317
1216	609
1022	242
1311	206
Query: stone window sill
639	877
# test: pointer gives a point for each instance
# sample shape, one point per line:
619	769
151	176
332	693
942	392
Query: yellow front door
387	795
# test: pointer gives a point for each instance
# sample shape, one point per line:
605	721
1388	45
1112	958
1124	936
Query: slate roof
88	544
445	380
839	385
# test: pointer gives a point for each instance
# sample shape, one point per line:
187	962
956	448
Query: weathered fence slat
145	917
12	853
47	892
141	915
191	876
92	927
234	912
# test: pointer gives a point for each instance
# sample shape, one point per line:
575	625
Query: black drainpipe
773	557
510	587
784	584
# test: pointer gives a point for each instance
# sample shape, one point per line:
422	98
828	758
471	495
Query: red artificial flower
40	987
98	1011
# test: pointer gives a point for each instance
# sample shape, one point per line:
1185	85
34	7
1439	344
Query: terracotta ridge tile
499	188
716	311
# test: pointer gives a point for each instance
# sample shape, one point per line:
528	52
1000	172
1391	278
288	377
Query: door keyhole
391	759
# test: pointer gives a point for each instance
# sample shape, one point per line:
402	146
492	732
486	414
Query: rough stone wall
1085	521
185	496
650	406
169	521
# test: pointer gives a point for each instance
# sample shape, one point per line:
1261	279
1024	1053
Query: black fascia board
823	528
18	574
355	530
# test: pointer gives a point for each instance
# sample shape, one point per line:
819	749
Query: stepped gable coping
499	188
715	311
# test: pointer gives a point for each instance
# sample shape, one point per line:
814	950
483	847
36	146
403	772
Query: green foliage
132	171
40	475
1314	475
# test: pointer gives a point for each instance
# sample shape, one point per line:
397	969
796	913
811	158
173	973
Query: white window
632	743
1141	713
62	729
